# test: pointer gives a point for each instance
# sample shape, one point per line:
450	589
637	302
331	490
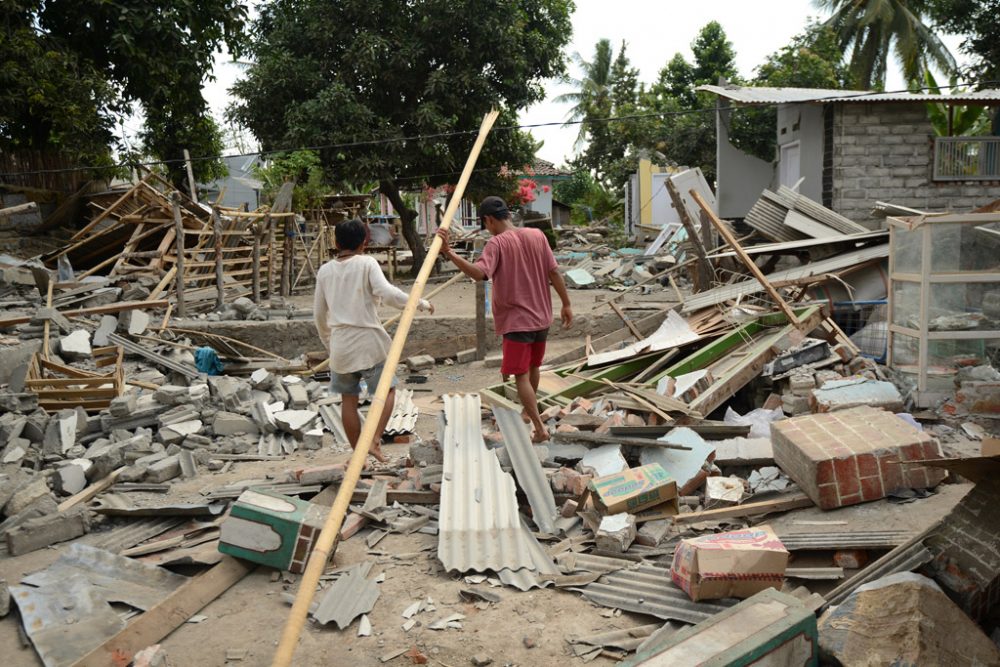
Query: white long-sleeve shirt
347	295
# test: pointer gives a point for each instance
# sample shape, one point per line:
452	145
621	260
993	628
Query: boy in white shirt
347	292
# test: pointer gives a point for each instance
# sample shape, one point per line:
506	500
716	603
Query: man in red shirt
521	266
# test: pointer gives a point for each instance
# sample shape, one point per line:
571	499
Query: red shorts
523	351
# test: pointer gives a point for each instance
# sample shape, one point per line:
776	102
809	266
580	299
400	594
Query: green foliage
965	120
304	167
590	200
812	59
86	61
337	71
873	31
592	96
979	21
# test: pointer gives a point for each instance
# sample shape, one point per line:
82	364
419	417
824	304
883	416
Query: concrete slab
854	392
604	460
688	467
76	346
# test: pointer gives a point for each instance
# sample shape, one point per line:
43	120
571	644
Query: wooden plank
597	439
168	615
392	496
626	320
745	258
792	502
91	491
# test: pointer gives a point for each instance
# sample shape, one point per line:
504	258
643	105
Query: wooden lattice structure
59	387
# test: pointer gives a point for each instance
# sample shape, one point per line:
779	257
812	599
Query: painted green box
770	629
271	529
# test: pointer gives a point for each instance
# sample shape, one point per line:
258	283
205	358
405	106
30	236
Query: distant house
852	148
546	175
239	187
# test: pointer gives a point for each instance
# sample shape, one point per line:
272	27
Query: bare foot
376	452
539	434
524	417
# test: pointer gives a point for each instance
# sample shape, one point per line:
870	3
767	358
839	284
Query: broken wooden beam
597	439
782	504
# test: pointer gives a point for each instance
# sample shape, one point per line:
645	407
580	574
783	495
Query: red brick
916	477
847	476
827	497
892	474
931	450
867	465
871	488
824	473
851	500
852	559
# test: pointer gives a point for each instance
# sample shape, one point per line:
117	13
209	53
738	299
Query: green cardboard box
271	529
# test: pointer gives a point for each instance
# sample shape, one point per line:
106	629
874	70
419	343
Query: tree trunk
407	221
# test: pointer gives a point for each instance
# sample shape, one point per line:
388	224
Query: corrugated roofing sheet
764	95
647	589
530	476
868	539
479	525
352	595
752	286
404	414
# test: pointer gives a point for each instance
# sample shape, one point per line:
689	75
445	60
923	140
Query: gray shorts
350	383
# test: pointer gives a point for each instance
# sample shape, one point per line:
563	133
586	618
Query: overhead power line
454	133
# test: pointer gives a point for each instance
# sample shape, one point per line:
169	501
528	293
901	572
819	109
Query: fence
967	159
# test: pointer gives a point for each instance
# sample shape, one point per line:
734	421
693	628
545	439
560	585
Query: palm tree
593	88
873	30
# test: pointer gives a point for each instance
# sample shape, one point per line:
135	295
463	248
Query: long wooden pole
190	174
746	259
220	294
321	552
175	203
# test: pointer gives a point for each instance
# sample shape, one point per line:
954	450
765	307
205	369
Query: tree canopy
395	91
72	67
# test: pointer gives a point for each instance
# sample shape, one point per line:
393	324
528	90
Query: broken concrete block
793	405
723	491
855	392
603	460
271	529
26	495
135	322
71	476
743	452
123	406
60	434
579	278
175	433
261	379
467	356
4	598
426	452
35	426
802	384
172	394
42	531
852	456
18	402
651	533
298	397
616	533
151	656
189	467
15	450
233	392
163	470
230	423
924	627
295	422
688	467
108	325
769	624
420	362
76	346
567	480
327	474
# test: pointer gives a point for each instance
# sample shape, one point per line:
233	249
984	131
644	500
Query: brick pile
854	456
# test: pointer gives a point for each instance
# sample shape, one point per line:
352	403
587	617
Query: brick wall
966	549
886	152
853	456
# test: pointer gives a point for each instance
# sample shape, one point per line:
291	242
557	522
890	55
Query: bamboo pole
255	262
47	327
190	175
220	297
175	202
321	552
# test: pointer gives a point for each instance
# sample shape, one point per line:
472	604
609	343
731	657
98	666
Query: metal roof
647	589
404	414
480	528
352	595
764	95
716	296
866	539
530	476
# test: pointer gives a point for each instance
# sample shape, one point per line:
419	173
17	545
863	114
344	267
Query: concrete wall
740	177
804	123
886	152
437	335
543	199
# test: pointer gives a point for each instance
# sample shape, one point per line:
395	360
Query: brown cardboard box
632	490
667	510
736	564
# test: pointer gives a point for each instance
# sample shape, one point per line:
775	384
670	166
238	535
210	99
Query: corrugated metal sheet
352	595
764	95
575	562
647	589
479	525
752	286
542	573
820	213
904	558
132	533
404	414
331	416
804	243
887	539
768	218
530	476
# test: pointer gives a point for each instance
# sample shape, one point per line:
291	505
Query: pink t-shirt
518	262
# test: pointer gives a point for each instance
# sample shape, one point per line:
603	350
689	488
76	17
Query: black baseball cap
493	206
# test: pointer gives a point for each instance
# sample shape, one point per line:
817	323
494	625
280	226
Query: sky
654	31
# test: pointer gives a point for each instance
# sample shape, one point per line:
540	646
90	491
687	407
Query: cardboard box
736	564
632	490
271	529
667	510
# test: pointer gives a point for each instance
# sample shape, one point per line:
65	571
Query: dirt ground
250	616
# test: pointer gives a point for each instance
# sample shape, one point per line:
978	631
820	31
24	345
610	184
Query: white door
789	166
